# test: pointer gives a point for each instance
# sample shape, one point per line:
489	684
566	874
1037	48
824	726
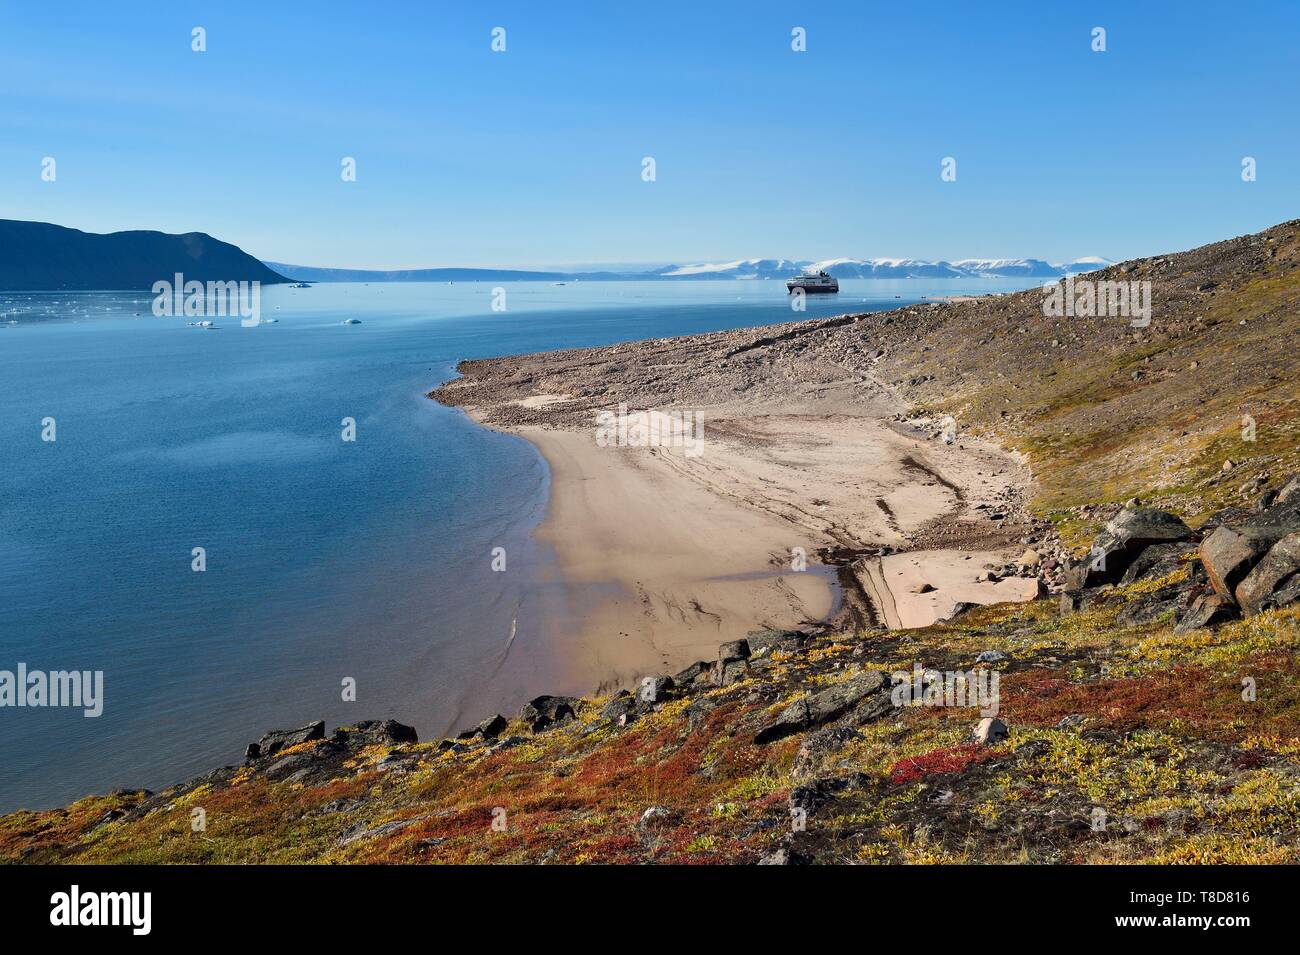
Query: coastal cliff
1142	709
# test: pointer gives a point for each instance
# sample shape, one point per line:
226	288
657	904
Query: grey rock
289	765
1275	581
544	712
621	708
1125	537
1289	493
276	740
697	672
765	641
990	731
1206	611
817	746
733	650
654	689
655	815
727	672
826	705
1230	552
1156	561
959	610
383	829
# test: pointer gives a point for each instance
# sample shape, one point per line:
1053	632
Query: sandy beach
817	503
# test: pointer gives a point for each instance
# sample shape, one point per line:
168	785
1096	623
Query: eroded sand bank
670	553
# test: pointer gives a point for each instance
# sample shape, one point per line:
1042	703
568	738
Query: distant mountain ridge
739	269
886	268
40	256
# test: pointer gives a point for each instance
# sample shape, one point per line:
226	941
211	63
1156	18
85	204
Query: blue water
326	560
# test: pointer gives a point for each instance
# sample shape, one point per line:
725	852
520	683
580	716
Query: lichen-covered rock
1156	561
697	672
828	704
1230	552
375	733
817	746
1275	581
1289	493
1206	611
1125	537
275	740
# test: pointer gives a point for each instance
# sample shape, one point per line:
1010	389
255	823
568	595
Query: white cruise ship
813	283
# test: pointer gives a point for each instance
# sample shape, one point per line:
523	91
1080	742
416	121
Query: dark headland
40	256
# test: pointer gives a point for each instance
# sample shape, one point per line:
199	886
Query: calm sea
326	560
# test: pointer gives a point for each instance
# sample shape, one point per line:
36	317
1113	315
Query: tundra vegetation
1149	707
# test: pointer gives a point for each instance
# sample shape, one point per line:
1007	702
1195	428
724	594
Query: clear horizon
523	158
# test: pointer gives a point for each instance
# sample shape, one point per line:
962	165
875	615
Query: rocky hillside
1149	710
1104	411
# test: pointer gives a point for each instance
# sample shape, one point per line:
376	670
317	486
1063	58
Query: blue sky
533	156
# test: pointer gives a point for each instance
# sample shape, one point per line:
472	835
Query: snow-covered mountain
882	268
740	269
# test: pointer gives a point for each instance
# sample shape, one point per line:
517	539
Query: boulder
727	672
1125	537
815	709
1230	552
492	727
989	731
959	610
1275	581
620	709
1076	578
1232	516
733	663
763	641
1166	603
654	689
733	650
1282	518
1206	611
544	712
1289	493
811	796
1156	561
276	740
817	745
654	816
697	672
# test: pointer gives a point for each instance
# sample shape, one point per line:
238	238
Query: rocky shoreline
1141	709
